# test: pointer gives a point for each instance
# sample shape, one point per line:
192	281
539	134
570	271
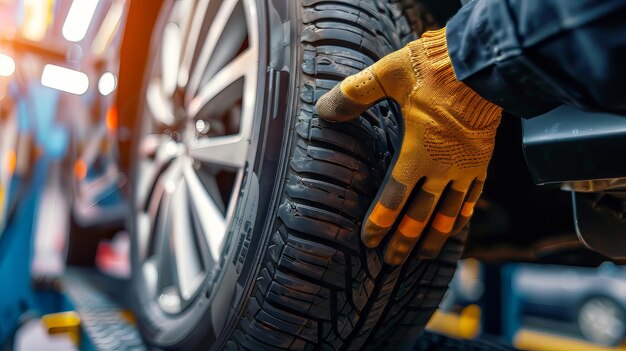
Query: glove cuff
435	48
472	110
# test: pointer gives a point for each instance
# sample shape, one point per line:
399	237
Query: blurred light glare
107	83
78	19
111	119
38	15
80	169
109	27
11	161
7	65
64	79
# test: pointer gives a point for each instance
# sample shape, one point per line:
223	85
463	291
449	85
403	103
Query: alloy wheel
193	145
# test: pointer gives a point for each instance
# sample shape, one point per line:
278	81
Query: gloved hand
449	135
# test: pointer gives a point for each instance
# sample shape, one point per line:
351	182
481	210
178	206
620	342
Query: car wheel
602	321
246	206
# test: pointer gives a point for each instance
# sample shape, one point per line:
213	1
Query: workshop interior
166	183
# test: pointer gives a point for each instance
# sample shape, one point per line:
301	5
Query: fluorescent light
65	79
107	83
78	19
38	14
7	65
109	27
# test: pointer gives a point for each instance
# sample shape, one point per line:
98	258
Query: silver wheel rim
194	144
602	321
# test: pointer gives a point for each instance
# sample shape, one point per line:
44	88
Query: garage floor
107	324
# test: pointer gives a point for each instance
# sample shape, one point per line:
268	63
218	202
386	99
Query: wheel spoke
224	13
163	188
160	107
183	15
231	42
228	151
206	211
184	249
151	275
167	289
228	75
170	57
157	152
143	232
174	37
162	242
151	144
191	41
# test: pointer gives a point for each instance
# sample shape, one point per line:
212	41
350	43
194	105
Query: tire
418	16
293	274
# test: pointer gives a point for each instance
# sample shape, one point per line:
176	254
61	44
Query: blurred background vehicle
58	73
588	301
60	48
538	306
14	140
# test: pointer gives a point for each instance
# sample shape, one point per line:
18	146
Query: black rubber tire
419	16
309	282
318	287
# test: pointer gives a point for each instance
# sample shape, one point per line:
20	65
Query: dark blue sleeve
529	56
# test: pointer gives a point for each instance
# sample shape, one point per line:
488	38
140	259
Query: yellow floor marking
539	341
67	323
465	325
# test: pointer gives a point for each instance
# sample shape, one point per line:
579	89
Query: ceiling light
7	65
107	83
64	79
78	19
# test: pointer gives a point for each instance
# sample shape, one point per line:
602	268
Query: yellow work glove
449	135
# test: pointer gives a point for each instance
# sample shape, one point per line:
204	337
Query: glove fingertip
394	258
335	106
371	243
397	251
372	234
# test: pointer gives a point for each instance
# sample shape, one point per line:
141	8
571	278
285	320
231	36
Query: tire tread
319	288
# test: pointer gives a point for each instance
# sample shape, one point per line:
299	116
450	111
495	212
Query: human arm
533	55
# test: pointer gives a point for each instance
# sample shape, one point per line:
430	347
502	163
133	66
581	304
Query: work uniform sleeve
529	56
